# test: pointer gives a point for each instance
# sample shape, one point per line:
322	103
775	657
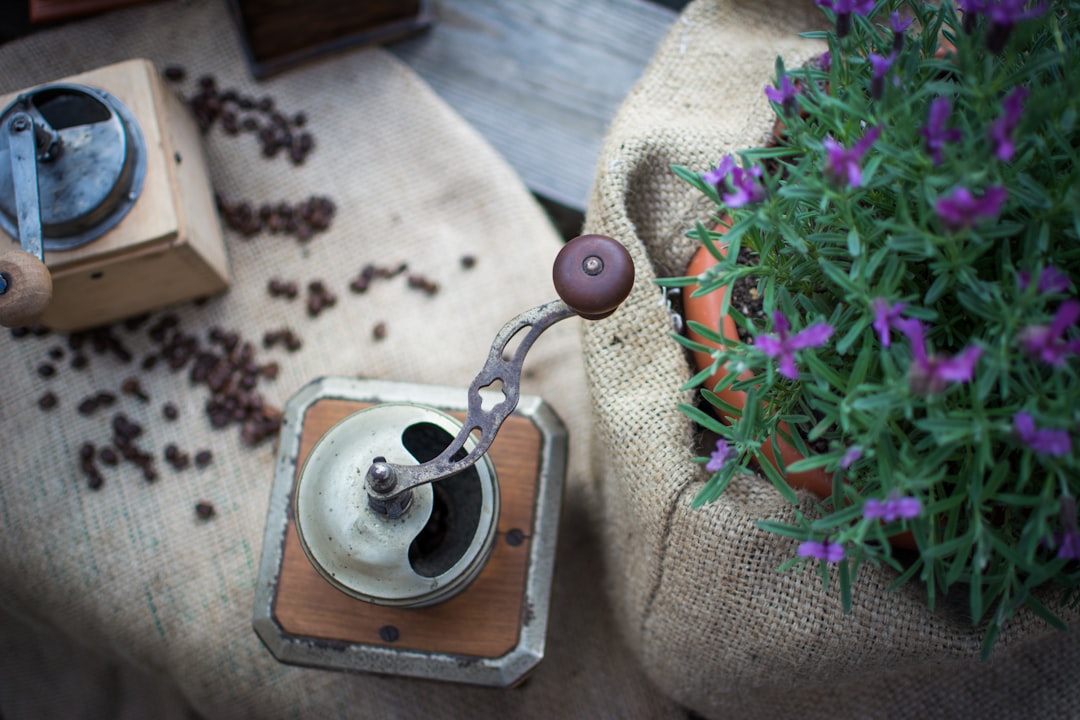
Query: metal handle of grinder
593	274
25	282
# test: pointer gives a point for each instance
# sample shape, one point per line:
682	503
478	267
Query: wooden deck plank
539	79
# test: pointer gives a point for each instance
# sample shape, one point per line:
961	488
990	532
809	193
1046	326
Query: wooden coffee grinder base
492	633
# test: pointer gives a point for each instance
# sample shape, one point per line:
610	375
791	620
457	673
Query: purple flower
824	550
899	24
745	185
843	10
885	317
843	164
1047	342
961	209
881	66
1003	15
784	346
931	374
853	453
895	507
784	95
720	455
1051	280
1048	442
935	132
1069	545
1002	129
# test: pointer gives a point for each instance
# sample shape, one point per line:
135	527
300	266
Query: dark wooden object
45	11
483	621
278	34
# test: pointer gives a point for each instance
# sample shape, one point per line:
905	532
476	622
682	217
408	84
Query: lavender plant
914	233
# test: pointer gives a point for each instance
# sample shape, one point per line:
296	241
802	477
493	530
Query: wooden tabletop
540	79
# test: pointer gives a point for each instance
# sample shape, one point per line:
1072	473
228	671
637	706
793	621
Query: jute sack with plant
912	229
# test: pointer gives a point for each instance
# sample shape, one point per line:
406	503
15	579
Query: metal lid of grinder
90	163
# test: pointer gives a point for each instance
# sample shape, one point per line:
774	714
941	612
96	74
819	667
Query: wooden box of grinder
162	241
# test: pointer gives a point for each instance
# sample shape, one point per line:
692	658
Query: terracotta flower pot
706	310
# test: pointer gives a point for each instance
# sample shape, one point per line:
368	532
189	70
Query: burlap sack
696	592
128	574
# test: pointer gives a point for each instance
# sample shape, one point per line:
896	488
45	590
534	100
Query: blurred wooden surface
540	79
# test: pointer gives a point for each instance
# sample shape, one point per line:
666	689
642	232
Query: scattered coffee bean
302	220
419	282
204	510
379	331
46	371
260	117
174	73
284	336
203	458
280	288
134	388
371	272
319	298
48	401
108	456
56	353
19	332
169	411
468	261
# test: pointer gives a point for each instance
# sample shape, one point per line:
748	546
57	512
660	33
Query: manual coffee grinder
404	536
105	201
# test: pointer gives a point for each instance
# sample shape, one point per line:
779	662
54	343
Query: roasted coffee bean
468	261
94	479
170	411
150	474
132	324
134	388
204	510
87	451
56	353
19	332
88	405
174	73
270	370
104	398
149	362
39	330
48	401
79	362
46	371
203	458
108	456
171	451
379	331
125	428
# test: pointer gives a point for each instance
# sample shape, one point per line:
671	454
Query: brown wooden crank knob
593	274
25	288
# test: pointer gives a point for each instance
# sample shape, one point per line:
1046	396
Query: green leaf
778	528
775	477
705	420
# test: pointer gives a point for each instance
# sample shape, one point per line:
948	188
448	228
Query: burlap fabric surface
696	592
128	576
